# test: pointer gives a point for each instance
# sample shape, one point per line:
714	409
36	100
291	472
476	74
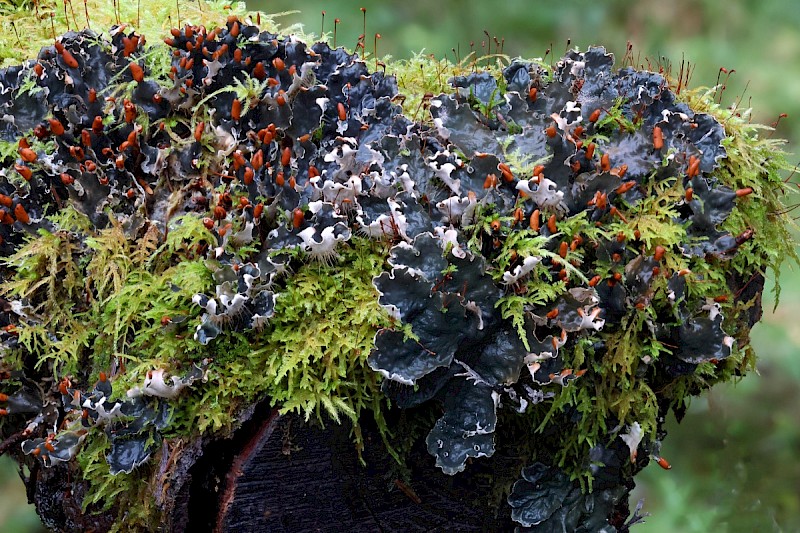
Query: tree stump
278	473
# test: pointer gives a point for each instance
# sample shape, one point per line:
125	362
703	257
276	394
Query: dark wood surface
291	476
281	474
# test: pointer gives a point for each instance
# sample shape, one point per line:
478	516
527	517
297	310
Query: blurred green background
735	456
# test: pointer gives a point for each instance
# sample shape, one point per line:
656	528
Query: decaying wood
280	474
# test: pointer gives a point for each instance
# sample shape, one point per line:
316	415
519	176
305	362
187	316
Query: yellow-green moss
28	26
310	359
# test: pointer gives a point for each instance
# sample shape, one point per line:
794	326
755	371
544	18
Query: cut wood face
298	477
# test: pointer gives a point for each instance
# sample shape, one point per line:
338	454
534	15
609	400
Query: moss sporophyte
192	226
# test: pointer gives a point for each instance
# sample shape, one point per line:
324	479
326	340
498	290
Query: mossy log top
536	264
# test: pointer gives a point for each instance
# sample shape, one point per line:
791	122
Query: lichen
29	26
188	230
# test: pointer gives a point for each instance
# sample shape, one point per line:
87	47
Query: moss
611	391
615	388
152	19
424	76
311	359
138	510
109	307
758	162
124	301
107	311
613	119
